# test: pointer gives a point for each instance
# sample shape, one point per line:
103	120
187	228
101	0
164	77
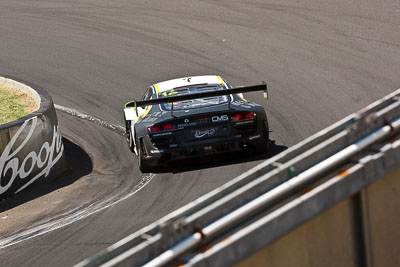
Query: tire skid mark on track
74	216
108	125
81	212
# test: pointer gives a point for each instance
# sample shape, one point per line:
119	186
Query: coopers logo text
44	159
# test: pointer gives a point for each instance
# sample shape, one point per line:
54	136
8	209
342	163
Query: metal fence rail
270	193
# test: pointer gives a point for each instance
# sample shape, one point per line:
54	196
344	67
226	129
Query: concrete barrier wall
363	230
31	148
381	216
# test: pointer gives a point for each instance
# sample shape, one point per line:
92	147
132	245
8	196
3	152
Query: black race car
191	117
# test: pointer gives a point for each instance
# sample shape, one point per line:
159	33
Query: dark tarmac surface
322	61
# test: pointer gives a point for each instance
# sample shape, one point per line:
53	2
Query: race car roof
187	81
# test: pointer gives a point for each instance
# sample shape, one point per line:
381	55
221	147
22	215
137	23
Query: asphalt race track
322	61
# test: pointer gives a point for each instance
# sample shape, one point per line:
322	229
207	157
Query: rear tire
142	163
262	145
129	137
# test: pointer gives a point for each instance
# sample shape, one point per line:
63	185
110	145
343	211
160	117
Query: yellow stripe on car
222	82
144	114
158	90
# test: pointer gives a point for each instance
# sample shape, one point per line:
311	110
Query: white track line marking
79	213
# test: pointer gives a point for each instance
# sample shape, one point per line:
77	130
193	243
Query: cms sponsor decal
43	160
219	118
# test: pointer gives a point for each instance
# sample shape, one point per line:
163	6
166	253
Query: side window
228	86
147	94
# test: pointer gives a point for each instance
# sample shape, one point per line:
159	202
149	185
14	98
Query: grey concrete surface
322	60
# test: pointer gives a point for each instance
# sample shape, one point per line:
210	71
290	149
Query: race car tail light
154	129
161	128
167	126
243	116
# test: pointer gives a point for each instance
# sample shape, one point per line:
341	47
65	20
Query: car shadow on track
222	160
79	165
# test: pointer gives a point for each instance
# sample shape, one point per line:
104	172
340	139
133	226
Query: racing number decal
172	92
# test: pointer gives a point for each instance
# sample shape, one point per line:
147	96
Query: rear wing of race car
172	99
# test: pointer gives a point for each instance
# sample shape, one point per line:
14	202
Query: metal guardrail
269	193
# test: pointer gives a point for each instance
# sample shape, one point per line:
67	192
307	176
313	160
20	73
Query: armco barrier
269	201
31	147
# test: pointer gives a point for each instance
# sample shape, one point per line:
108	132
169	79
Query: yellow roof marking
221	80
158	91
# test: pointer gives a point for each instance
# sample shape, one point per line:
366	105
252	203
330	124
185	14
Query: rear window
191	90
194	103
